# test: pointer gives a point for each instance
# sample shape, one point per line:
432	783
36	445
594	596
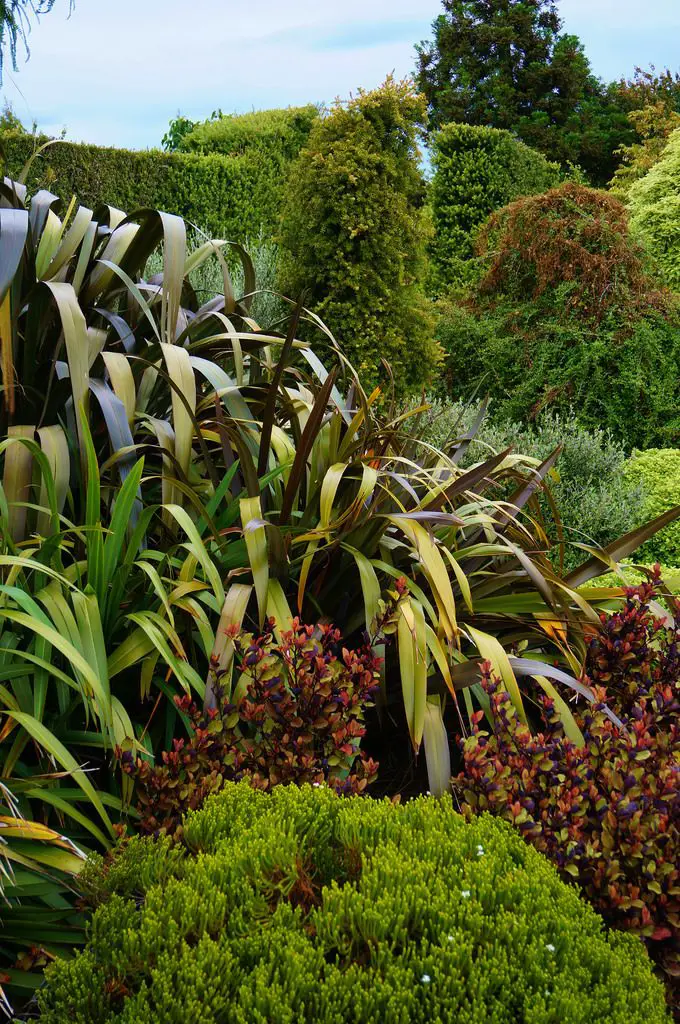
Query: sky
117	71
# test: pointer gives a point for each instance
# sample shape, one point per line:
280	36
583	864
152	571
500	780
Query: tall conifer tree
507	64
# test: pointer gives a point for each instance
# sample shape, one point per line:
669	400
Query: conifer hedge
277	134
233	197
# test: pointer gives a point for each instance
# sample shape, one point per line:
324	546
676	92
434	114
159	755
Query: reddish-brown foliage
569	236
607	813
297	718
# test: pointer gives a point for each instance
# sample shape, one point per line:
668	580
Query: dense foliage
294	715
184	473
38	865
234	197
603	802
648	86
657	472
570	236
276	135
597	498
173	474
654	125
653	102
354	234
509	66
301	906
566	315
476	171
654	203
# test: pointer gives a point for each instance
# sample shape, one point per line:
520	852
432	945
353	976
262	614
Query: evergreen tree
15	24
507	64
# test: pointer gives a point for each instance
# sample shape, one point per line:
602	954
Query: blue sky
118	70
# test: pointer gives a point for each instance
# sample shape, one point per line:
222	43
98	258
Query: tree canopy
507	64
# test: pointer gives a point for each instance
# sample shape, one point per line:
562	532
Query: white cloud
118	70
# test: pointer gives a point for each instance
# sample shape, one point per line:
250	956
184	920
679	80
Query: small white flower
450	938
548	992
465	894
316	784
480	851
427	793
426	979
550	947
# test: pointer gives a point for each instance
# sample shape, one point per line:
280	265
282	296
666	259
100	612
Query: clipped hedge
657	472
233	197
302	907
275	134
476	171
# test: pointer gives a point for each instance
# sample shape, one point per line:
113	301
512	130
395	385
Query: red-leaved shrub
297	716
607	813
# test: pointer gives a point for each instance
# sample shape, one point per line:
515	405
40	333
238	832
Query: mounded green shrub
622	380
657	472
354	234
654	204
476	171
232	197
301	907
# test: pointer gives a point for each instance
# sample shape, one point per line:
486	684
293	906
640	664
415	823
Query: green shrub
275	135
654	204
596	501
476	171
632	577
625	381
566	315
657	472
654	123
233	197
354	238
301	906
